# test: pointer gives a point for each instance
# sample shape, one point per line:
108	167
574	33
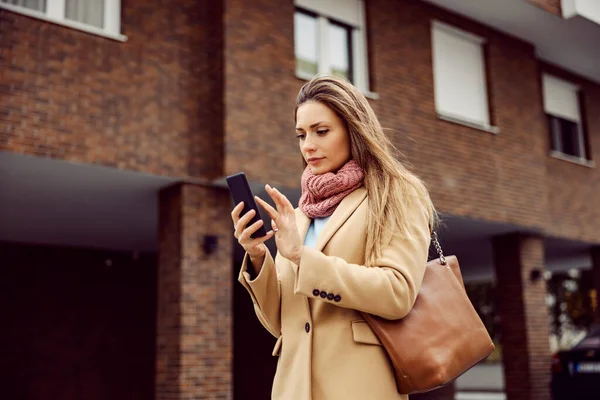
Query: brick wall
260	91
151	104
524	317
572	188
74	327
471	172
194	318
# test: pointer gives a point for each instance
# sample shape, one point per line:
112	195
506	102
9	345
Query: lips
314	160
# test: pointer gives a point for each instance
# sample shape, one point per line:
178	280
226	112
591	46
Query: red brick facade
151	104
194	316
571	187
522	310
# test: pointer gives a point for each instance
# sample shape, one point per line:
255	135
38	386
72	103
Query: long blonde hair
391	187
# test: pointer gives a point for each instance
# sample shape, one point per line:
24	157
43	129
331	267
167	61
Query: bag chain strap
438	247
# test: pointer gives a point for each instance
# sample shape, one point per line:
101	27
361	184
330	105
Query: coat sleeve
265	291
389	289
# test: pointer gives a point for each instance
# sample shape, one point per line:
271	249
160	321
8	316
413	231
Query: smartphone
240	191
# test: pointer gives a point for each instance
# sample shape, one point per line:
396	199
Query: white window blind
346	11
561	98
459	75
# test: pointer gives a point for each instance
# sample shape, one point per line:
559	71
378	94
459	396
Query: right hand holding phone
254	247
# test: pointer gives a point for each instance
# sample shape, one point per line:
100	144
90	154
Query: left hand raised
283	220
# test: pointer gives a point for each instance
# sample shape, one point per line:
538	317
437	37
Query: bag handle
438	247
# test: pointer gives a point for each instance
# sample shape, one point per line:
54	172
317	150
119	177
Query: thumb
274	225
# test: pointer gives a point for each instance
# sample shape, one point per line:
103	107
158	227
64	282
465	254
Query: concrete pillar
194	310
519	266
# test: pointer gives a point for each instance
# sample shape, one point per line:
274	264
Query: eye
300	136
322	131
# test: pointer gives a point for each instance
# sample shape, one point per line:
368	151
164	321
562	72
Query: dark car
576	372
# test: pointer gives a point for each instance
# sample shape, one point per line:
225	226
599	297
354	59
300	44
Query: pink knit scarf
321	194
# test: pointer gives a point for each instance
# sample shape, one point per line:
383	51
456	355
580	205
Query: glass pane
569	137
340	50
89	12
554	133
38	5
306	43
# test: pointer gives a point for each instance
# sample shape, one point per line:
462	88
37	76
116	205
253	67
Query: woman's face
323	138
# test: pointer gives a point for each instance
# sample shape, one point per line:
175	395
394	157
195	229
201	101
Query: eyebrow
312	126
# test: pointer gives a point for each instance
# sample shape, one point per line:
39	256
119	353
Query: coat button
337	298
316	292
330	296
323	294
307	327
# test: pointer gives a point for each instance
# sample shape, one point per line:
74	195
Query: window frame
56	13
350	40
554	130
556	133
358	55
317	17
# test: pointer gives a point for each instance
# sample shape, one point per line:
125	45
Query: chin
320	170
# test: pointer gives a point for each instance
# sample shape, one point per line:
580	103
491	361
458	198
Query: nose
308	146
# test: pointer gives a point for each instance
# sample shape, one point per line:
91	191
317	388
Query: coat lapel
343	211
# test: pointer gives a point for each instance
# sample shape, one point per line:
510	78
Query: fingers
267	207
240	226
255	242
246	239
282	202
235	213
244	233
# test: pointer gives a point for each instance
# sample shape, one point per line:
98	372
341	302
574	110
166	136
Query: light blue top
314	230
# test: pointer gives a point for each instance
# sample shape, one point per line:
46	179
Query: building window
562	107
330	37
94	16
460	84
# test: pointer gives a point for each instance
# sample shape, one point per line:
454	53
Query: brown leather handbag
441	337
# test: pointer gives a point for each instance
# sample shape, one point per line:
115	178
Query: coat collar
343	211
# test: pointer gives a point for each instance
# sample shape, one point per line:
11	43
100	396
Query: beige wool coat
326	350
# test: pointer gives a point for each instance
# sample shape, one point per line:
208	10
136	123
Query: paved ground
484	377
482	382
479	396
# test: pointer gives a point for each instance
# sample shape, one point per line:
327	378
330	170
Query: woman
357	243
